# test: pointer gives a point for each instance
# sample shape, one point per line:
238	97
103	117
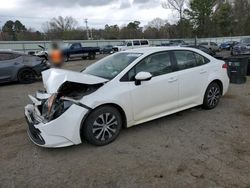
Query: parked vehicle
204	49
15	66
228	45
243	48
75	50
43	53
108	49
131	44
122	90
177	43
210	45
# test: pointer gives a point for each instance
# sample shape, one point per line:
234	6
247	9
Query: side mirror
142	76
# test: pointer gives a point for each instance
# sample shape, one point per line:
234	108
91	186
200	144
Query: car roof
11	51
149	50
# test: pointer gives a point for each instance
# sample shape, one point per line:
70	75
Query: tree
223	19
177	5
58	28
157	23
200	13
241	17
60	24
13	28
132	30
111	32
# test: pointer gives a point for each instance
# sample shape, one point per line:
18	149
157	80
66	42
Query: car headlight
54	107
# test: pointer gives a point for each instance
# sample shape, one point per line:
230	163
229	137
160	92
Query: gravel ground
193	148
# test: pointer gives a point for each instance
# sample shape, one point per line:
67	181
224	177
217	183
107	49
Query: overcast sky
99	12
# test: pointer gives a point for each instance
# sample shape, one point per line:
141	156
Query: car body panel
54	78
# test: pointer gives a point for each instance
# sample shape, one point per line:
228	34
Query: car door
7	64
75	50
158	95
192	74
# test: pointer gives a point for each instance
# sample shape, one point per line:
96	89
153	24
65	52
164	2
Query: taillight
225	66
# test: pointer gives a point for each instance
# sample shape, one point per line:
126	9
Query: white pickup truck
131	44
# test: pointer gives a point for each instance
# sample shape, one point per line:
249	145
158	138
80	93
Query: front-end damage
54	118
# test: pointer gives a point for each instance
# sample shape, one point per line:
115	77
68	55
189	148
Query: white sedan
122	90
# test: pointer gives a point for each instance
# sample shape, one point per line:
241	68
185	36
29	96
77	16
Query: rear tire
212	96
102	126
26	76
91	56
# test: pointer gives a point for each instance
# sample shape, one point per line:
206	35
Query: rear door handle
172	79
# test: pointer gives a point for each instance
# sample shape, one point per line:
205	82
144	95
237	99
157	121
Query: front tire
212	96
102	126
26	76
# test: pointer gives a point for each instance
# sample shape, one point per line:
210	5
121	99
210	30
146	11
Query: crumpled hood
54	78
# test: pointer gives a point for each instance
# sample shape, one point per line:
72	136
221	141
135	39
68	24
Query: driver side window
156	64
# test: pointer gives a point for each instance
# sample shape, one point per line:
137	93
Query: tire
212	96
91	56
102	126
66	58
26	76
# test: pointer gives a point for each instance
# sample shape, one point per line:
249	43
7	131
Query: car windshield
245	41
111	66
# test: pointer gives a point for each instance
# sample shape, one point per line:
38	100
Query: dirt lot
194	148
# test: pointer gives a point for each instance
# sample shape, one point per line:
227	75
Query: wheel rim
27	75
213	96
105	126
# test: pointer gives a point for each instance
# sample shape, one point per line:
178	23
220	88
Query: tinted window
204	43
185	59
200	60
156	64
136	43
129	44
76	46
8	56
144	42
213	44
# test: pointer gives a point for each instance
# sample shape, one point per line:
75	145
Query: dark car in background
228	45
203	48
76	50
15	66
107	49
243	48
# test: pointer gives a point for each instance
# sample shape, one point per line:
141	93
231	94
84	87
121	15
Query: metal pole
87	29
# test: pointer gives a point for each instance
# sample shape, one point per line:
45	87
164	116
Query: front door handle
172	79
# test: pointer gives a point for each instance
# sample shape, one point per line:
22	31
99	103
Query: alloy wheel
213	96
105	126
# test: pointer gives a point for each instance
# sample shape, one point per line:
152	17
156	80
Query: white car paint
182	90
54	78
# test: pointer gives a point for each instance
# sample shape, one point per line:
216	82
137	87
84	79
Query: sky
33	13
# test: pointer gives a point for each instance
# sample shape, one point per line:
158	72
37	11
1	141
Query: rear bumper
61	132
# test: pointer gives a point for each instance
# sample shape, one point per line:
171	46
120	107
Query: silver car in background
15	66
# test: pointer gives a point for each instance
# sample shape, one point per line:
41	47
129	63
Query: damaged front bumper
60	132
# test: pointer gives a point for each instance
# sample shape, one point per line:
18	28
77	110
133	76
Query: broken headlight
54	107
